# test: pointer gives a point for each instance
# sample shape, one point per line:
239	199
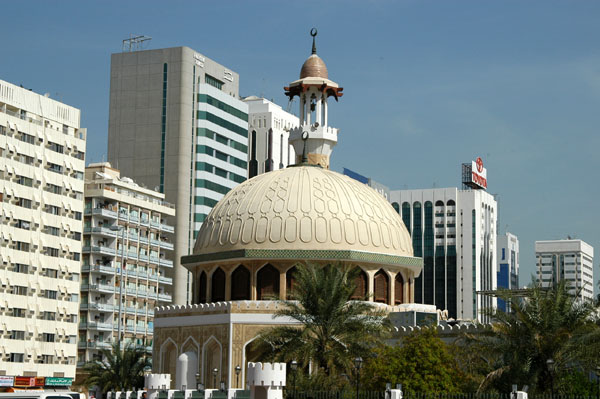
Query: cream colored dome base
304	208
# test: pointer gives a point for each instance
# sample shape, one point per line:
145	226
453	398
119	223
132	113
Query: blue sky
428	85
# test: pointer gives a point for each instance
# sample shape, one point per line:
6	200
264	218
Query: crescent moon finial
313	33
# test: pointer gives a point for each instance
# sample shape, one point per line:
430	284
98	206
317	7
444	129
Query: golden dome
304	208
314	67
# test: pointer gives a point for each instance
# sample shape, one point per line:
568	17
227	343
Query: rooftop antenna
134	43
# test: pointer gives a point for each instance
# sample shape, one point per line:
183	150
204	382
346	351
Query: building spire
313	33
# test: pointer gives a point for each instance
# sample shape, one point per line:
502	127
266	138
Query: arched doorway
399	289
267	283
212	354
381	291
202	288
361	282
240	284
168	354
217	286
290	280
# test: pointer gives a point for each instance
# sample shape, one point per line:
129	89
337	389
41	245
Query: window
25	203
78	175
76	256
214	82
56	148
25	181
55	231
16	357
47	359
221	172
77	236
54	252
19	290
51	273
221	155
53	188
49	316
53	210
17	334
27	138
79	155
22	224
47	337
50	294
26	159
74	297
21	268
73	318
77	215
18	312
22	246
55	168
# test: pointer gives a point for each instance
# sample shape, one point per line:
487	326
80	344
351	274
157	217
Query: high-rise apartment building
454	231
508	264
268	135
124	224
42	150
177	125
569	260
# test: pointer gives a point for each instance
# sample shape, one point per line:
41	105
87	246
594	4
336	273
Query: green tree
545	324
422	363
119	369
333	329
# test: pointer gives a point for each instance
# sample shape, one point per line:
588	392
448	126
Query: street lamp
550	365
121	282
238	369
357	365
294	367
215	372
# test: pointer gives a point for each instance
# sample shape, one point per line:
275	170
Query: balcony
165	280
94	325
104	212
162	244
105	231
165	297
167	228
103	307
101	288
98	249
95	345
166	263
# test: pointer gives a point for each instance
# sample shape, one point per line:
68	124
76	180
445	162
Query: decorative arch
396	207
240	284
451	203
217	285
191	345
168	357
202	294
439	203
382	287
398	289
290	281
267	282
212	357
362	286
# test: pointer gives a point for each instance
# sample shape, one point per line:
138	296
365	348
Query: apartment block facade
42	152
569	260
125	245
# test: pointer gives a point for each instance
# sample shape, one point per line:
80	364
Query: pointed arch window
381	292
218	285
202	288
240	284
267	286
361	282
399	289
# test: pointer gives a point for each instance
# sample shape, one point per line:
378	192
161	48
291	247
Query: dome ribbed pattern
314	67
305	208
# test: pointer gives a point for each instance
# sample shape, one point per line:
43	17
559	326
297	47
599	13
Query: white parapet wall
154	383
266	380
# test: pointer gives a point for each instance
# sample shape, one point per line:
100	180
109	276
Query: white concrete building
177	125
42	150
455	233
122	222
268	136
508	264
570	260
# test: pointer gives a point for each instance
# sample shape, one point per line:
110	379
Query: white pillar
318	112
324	110
302	108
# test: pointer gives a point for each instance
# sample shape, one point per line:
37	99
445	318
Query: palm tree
119	369
538	340
333	329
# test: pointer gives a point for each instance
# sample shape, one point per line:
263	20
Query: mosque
247	249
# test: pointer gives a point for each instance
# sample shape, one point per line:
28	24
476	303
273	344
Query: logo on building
474	175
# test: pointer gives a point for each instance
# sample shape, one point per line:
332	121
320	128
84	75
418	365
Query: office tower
508	264
177	125
268	134
42	150
454	231
570	260
124	224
